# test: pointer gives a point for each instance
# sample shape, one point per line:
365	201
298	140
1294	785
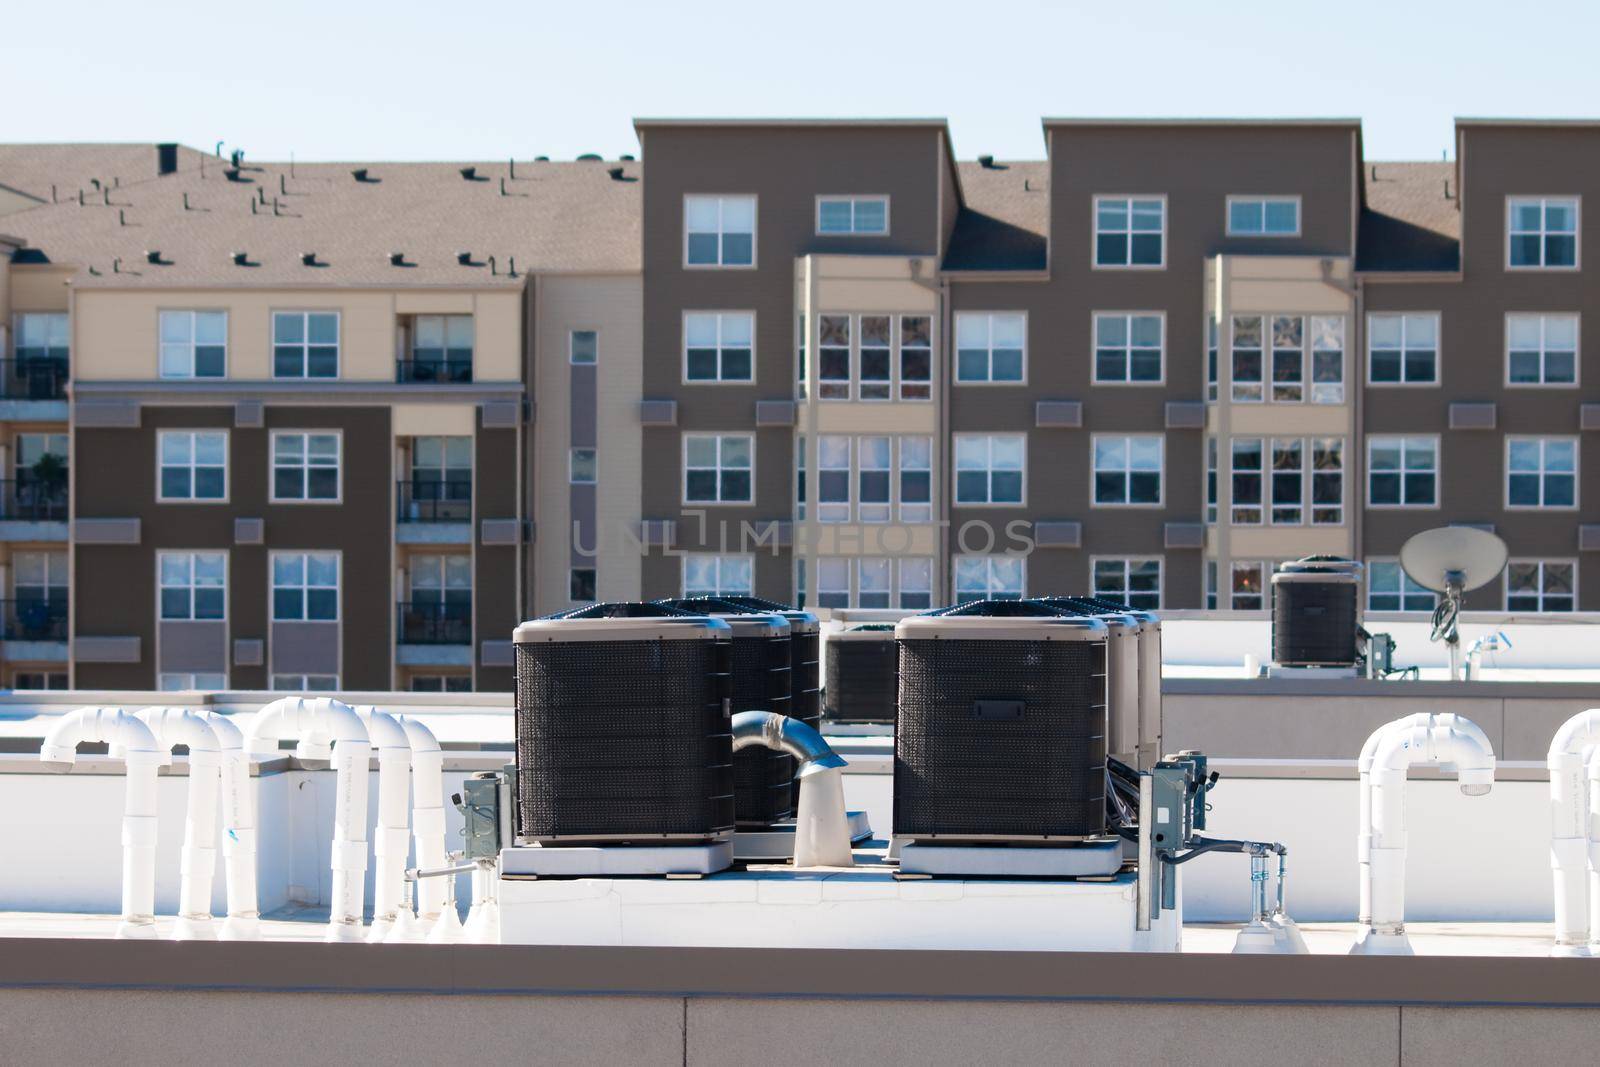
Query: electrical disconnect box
480	804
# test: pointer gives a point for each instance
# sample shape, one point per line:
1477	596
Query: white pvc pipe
1569	831
1446	741
238	831
427	815
142	757
1592	768
391	842
198	868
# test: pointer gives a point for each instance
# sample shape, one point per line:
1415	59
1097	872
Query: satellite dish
1453	555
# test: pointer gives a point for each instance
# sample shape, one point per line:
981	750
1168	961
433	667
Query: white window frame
305	585
194	436
1263	347
1251	198
919	511
1124	591
1405	439
989	560
719	559
874	512
874	564
1433	598
1270	366
1128	348
1544	200
303	683
1264	575
1262	496
1312	351
854	200
721	231
859	380
904	564
572	346
719	468
191	585
1127	471
989	471
719	316
187	348
1544	318
824	383
191	681
901	382
1541	594
1544	472
836	510
305	466
305	344
572	465
1128	200
1311	480
988	379
51	322
1438	349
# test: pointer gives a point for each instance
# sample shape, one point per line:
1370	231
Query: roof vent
617	174
986	162
466	260
235	175
398	259
471	174
541	159
166	159
242	259
589	157
362	174
626	159
309	259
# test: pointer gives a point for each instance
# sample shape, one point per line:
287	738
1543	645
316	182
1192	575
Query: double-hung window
581	466
833	478
718	346
872	582
1298	465
1263	216
305	683
1541	349
991	346
1403	349
1288	481
1541	472
194	344
1211	359
1127	471
990	468
916	583
989	577
719	231
1248	356
1390	588
873	481
860	216
833	357
1128	347
305	344
876	357
1402	472
1288	359
712	575
718	468
1327	359
1130	231
916	357
305	466
1247	590
194	585
916	479
1247	474
583	347
42	335
1542	232
1211	480
1327	481
441	348
1541	585
833	582
1135	582
305	586
194	464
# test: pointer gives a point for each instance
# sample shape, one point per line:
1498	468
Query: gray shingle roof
1408	223
31	169
570	217
1005	218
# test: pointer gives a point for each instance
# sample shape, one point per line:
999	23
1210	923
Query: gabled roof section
31	169
1004	221
1411	218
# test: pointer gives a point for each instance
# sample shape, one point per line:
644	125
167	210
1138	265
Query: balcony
434	371
33	379
434	623
34	619
445	504
26	501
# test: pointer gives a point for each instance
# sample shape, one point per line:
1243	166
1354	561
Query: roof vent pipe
822	830
238	831
198	866
1447	741
142	757
391	842
427	828
310	259
1574	836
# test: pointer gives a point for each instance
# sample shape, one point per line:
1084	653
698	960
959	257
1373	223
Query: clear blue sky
482	79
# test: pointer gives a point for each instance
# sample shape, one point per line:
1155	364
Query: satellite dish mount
1451	560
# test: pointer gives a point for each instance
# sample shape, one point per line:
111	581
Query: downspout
1573	831
238	831
142	758
179	726
1354	385
822	831
391	836
427	816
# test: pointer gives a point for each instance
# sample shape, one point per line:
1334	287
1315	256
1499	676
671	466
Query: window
1129	232
194	344
1211	480
916	479
1288	359
1541	349
305	586
1211	585
440	609
705	575
833	357
718	468
988	577
305	344
441	683
194	585
1541	585
1541	472
1247	360
41	335
194	465
916	584
876	356
1403	472
1288	482
916	357
833	582
873	483
1263	216
718	346
991	347
583	347
1327	359
39	680
833	479
862	216
305	683
171	682
1135	582
39	585
1403	349
581	466
1327	481
719	231
1542	232
1211	360
1247	474
1390	588
1249	583
873	583
305	466
441	480
1127	471
1128	347
990	468
40	476
800	478
441	348
581	585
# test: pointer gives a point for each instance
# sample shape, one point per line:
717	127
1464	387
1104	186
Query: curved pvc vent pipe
822	830
143	758
1574	836
427	816
238	830
198	868
1445	741
391	841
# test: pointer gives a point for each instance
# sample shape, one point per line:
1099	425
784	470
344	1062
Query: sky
483	79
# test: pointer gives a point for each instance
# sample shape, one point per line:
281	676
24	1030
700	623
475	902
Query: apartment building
268	425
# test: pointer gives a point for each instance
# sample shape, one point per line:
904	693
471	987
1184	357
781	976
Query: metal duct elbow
790	736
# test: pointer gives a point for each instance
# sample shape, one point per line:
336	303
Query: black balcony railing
451	371
34	619
434	500
33	501
435	623
33	379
